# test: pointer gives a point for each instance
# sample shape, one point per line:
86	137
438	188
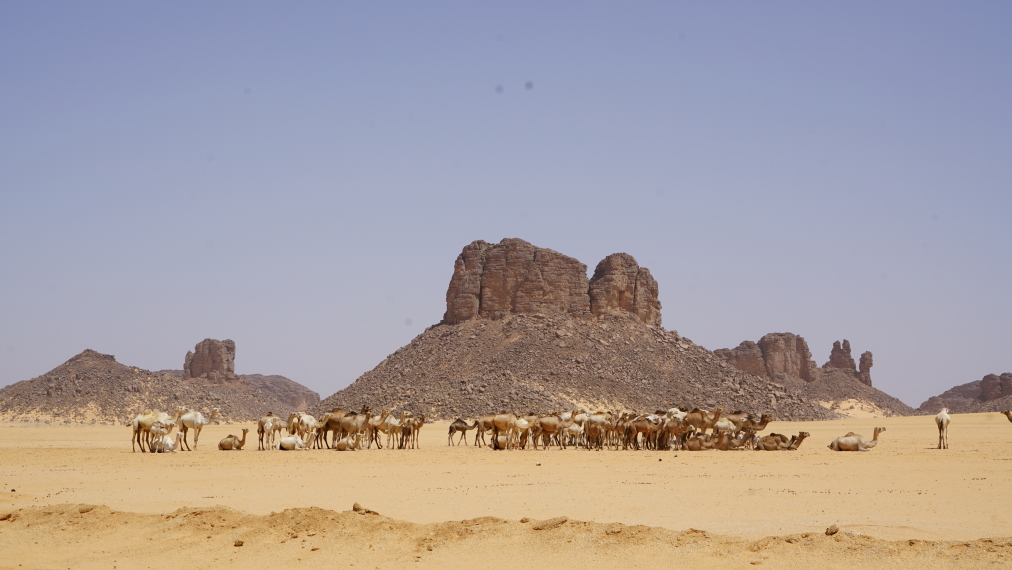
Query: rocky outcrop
840	357
747	357
840	385
787	354
556	362
287	391
514	277
990	394
524	330
620	284
864	373
213	360
990	388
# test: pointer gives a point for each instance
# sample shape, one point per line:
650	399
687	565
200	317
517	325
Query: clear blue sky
300	177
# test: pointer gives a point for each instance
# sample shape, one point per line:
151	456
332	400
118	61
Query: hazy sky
300	177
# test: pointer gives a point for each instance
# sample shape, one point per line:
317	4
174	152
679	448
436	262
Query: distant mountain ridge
92	387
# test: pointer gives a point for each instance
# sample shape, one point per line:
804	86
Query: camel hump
850	434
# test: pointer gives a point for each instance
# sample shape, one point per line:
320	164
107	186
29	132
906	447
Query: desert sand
77	497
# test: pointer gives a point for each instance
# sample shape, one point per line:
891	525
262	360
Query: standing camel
942	421
142	426
196	421
264	425
461	427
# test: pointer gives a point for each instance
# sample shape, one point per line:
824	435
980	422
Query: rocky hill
525	330
993	393
841	384
93	388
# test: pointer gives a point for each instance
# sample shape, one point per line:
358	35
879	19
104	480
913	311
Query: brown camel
1008	414
461	427
855	442
233	443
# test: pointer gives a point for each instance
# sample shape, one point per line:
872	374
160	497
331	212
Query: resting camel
855	442
461	427
348	443
942	421
233	443
161	442
291	443
196	421
779	442
264	432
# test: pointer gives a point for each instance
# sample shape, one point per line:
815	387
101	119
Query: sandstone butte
526	330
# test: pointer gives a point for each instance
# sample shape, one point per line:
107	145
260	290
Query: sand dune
904	502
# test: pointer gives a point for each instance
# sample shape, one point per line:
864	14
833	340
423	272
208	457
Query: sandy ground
904	504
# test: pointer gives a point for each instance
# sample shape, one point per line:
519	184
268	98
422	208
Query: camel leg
196	436
185	431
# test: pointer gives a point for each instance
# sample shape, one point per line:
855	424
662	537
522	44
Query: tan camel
348	443
942	421
196	421
484	426
373	427
142	426
392	427
702	419
1008	414
779	442
233	443
855	442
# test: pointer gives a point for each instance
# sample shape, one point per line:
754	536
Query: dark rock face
287	391
1006	384
787	354
840	357
514	277
747	357
620	284
864	374
213	360
990	388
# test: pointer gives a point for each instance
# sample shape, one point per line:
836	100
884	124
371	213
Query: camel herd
693	430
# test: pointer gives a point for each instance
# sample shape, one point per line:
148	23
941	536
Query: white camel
196	421
161	441
291	443
942	421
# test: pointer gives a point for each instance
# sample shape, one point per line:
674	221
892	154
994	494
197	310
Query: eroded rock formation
515	277
787	354
745	357
840	357
620	284
864	373
213	360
